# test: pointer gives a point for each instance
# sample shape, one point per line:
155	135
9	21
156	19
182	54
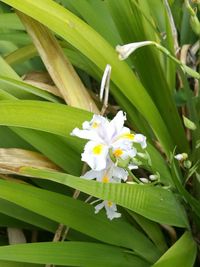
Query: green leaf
182	253
14	87
17	212
79	216
72	254
155	203
54	118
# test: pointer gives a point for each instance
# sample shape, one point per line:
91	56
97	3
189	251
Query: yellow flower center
95	125
117	153
97	149
127	136
105	179
109	203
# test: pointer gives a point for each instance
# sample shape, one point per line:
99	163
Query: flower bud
144	180
187	164
181	157
153	177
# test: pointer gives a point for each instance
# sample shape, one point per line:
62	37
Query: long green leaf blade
79	216
71	254
155	203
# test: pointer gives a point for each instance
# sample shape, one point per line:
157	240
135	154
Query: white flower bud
153	177
181	157
125	50
144	180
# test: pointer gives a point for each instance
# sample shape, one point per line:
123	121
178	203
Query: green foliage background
40	164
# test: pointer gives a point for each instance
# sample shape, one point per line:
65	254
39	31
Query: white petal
178	156
96	122
119	173
132	152
99	207
140	139
126	148
117	122
132	166
86	134
98	161
92	175
111	212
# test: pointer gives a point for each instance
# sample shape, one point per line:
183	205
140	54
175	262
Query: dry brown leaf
12	159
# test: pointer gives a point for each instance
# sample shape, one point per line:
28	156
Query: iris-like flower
105	136
111	174
110	207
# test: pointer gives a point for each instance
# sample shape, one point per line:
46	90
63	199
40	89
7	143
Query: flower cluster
109	143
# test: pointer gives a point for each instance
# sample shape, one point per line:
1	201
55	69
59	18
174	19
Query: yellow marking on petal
97	149
109	203
118	152
105	179
127	136
95	125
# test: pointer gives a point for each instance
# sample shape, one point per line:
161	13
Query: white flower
110	207
105	135
181	157
111	174
125	50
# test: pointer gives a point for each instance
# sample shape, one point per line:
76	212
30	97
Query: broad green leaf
22	214
9	139
182	253
155	203
79	216
54	118
71	254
